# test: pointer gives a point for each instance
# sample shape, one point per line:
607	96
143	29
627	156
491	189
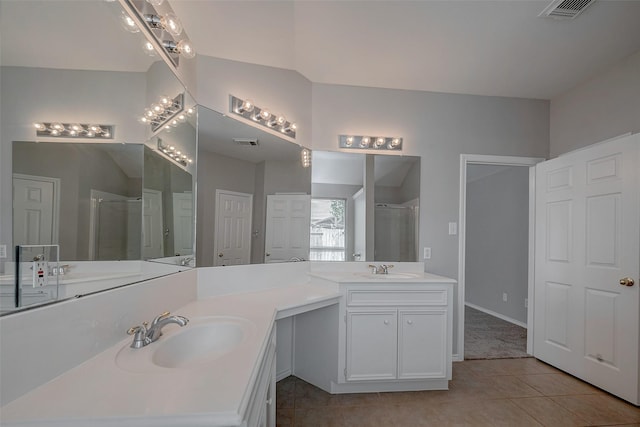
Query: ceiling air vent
246	141
565	9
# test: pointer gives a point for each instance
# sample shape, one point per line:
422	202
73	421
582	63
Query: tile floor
499	392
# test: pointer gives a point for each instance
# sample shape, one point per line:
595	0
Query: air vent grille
246	141
565	9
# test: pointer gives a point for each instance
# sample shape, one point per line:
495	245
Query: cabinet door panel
422	344
371	345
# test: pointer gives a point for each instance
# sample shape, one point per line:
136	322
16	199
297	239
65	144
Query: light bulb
171	24
39	127
349	141
155	2
395	142
143	120
106	134
185	48
148	48
157	109
90	134
76	127
128	23
165	100
171	148
247	106
281	120
54	132
190	161
364	142
57	126
95	128
175	123
182	118
265	114
190	111
73	132
149	114
379	142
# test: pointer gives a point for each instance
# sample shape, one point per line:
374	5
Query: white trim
498	315
56	201
466	159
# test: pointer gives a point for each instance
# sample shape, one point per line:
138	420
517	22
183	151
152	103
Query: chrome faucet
186	261
144	334
382	269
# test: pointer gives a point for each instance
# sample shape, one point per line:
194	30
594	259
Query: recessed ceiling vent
246	141
565	9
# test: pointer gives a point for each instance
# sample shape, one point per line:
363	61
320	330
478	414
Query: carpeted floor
487	337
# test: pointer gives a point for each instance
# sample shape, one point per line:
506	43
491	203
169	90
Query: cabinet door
372	349
422	343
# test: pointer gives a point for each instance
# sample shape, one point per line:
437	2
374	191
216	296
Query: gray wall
497	227
437	127
603	107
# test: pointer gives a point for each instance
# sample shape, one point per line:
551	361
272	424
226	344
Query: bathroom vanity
394	332
353	333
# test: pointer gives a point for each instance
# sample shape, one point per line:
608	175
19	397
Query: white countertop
100	393
350	277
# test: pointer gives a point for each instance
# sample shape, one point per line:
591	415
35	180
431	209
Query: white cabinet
372	344
398	333
262	403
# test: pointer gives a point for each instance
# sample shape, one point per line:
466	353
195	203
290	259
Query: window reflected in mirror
328	233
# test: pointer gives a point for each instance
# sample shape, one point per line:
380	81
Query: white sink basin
201	341
388	276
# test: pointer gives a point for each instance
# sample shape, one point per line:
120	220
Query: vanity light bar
174	153
305	157
165	28
358	142
164	112
262	116
74	130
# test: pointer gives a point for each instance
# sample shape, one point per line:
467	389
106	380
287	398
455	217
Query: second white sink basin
201	341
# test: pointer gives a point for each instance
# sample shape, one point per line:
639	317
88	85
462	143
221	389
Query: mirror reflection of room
364	207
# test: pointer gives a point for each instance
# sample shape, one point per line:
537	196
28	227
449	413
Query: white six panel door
232	240
587	241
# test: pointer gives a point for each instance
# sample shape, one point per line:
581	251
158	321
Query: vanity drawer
368	297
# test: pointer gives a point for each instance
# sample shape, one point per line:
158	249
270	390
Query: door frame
467	159
55	222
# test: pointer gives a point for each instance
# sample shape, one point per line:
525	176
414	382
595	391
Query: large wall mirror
253	195
364	207
111	202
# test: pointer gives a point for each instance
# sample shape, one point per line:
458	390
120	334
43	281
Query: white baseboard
498	315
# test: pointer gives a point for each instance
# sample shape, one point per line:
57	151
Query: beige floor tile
600	409
511	386
494	367
558	384
494	413
549	413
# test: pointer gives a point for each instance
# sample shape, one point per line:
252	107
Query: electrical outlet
504	296
427	253
3	251
40	268
526	302
453	228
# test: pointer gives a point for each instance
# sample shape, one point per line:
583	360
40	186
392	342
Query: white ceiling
497	48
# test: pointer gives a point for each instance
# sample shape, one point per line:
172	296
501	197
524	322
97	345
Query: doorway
486	171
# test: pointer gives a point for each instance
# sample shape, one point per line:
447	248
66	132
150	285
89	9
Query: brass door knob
220	255
627	281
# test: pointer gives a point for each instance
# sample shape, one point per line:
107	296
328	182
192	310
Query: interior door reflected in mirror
253	195
364	207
